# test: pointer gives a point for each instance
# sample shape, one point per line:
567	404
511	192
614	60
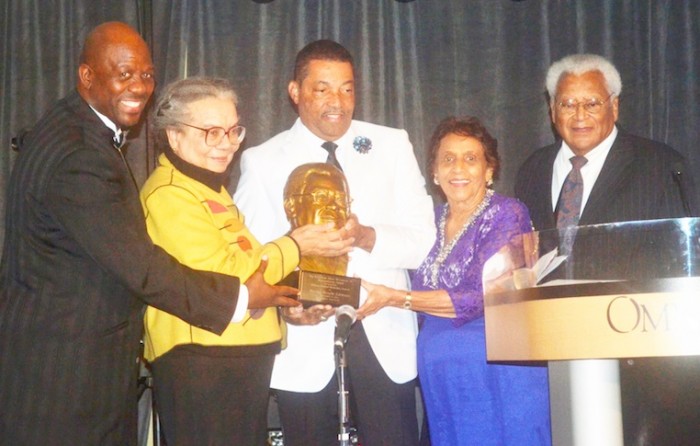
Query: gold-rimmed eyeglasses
214	135
592	106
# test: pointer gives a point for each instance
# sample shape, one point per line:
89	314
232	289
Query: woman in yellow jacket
210	389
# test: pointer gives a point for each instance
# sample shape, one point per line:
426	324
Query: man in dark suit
625	178
78	264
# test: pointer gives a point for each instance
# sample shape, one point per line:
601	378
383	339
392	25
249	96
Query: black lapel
612	177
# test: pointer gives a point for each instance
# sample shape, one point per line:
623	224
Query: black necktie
330	148
118	140
571	195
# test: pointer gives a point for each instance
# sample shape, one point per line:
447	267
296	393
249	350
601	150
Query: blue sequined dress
467	400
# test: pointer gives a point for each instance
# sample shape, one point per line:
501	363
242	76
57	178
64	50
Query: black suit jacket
638	181
77	268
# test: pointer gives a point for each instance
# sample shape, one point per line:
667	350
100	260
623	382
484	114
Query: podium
626	290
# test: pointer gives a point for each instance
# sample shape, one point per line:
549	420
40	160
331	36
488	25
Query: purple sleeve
498	227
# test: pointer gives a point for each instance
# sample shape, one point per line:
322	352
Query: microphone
678	179
345	316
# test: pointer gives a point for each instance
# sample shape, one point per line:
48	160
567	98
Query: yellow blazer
203	229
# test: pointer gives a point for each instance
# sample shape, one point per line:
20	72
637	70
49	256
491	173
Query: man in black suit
78	264
625	178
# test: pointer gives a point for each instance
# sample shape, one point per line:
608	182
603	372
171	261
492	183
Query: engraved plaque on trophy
331	289
318	193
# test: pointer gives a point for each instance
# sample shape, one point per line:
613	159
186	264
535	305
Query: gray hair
578	64
172	106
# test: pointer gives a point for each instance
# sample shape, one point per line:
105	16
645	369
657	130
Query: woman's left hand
378	297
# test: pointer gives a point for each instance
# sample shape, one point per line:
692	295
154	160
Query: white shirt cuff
241	305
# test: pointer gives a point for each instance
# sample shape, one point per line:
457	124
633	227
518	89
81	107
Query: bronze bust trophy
317	193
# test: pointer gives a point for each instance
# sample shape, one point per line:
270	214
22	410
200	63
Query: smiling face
461	170
189	143
583	131
116	76
325	98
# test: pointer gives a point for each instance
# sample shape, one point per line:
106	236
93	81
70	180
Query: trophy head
316	193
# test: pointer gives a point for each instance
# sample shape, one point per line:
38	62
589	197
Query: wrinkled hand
364	236
309	316
322	240
378	297
263	295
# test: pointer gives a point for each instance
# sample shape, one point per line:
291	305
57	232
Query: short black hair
319	50
467	126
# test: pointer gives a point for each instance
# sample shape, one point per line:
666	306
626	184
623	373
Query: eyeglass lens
591	106
326	197
216	134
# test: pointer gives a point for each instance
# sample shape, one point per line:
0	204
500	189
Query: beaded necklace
445	250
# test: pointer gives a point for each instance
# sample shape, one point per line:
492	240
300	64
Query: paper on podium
500	274
546	264
551	261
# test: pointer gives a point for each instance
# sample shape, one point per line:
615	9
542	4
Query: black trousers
383	412
212	400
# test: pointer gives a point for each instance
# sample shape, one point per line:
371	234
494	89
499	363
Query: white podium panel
626	290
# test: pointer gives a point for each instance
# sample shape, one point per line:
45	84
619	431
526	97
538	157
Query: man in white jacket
391	230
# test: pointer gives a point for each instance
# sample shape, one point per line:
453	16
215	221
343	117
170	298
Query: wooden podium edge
654	324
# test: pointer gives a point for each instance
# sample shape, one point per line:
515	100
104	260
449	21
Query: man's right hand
263	295
308	316
322	240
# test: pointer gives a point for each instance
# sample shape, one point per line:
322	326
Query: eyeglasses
214	135
591	106
325	197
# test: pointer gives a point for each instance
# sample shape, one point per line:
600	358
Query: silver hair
578	64
172	106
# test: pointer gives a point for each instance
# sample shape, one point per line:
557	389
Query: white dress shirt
589	172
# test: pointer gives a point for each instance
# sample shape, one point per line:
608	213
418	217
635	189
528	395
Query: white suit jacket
388	193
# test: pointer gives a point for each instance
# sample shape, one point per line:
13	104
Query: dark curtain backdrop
417	62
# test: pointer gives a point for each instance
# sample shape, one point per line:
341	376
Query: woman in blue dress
468	401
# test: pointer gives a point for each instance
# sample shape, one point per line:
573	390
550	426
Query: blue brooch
362	144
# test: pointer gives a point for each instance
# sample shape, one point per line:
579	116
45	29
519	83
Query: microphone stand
343	406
